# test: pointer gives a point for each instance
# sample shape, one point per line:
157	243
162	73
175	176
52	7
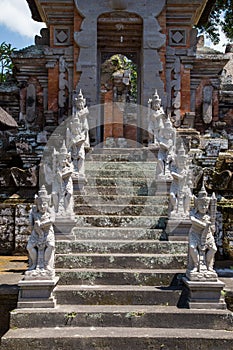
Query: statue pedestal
205	294
63	227
37	293
178	229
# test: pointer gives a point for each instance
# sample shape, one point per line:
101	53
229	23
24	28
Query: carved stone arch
152	41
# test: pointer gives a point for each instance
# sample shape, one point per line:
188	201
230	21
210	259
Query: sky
16	25
18	28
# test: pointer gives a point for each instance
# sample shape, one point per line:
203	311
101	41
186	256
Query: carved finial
213	197
80	100
80	95
202	194
63	148
181	151
156	97
43	194
63	151
168	124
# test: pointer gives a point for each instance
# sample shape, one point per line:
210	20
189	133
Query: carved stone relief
177	37
173	78
62	36
207	104
31	104
63	82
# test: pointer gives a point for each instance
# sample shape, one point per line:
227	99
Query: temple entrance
119	62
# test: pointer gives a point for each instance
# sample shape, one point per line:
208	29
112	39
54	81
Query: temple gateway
116	180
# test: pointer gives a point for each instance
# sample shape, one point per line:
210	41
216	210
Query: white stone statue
77	137
62	184
166	154
157	117
59	176
181	186
202	247
41	243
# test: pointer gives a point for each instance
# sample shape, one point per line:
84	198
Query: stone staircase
120	279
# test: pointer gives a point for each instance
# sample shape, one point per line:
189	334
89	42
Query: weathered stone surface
115	338
7	229
122	316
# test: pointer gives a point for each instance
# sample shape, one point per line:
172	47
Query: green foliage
6	64
127	64
220	17
122	63
135	314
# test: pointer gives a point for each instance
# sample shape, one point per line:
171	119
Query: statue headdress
181	152
42	195
63	151
80	97
202	194
156	98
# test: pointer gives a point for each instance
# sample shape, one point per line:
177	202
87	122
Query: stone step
122	209
114	260
131	149
122	233
97	199
129	191
117	157
118	182
108	162
138	151
146	277
90	338
122	316
121	221
132	155
117	295
115	173
121	246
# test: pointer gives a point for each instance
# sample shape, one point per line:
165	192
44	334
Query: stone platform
120	279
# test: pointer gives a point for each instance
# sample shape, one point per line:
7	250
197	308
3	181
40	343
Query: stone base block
178	230
37	294
63	228
205	294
